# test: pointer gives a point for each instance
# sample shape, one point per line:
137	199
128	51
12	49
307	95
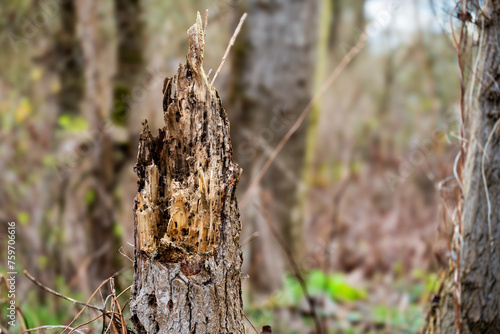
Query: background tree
472	303
272	84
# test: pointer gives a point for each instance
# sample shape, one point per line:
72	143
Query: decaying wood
187	228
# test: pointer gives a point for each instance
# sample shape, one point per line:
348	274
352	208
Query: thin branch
88	301
113	304
337	198
23	321
231	43
121	293
255	329
104	330
295	268
74	301
331	79
459	45
455	171
485	183
249	239
122	252
51	327
206	25
86	323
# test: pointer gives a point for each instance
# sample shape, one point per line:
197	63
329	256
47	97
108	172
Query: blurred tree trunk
56	89
358	7
383	105
273	74
311	158
92	161
90	201
480	250
187	255
69	59
130	28
66	61
336	10
356	26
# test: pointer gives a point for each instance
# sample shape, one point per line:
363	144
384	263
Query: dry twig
41	328
206	25
231	43
295	268
49	290
255	329
331	79
88	301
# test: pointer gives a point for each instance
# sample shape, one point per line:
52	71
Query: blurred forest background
356	193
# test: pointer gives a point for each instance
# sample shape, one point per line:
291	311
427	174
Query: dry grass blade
331	79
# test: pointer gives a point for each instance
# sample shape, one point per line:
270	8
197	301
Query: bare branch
255	329
52	327
231	43
295	268
74	301
331	79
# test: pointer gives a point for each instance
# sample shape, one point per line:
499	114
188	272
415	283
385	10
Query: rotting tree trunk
480	251
187	256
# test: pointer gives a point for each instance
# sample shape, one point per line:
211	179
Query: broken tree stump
187	275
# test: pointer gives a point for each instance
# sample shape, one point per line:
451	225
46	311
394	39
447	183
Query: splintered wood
185	172
187	272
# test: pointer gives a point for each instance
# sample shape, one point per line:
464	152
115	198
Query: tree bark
480	250
187	257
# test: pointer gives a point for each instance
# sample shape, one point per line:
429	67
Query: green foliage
407	321
43	261
53	310
259	317
317	282
426	284
90	196
339	289
72	124
117	230
405	316
37	314
23	217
